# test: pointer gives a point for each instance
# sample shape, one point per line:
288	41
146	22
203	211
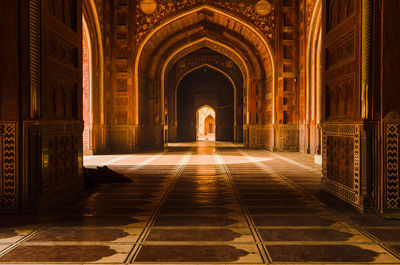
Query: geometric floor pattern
203	203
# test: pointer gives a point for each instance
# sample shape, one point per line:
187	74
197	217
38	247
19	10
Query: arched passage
205	86
93	80
313	133
166	42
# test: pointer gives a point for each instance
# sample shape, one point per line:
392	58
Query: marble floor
203	203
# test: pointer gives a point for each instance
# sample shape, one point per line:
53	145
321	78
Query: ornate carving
65	11
340	99
341	161
219	61
263	7
8	165
62	160
392	165
62	97
148	7
247	10
34	57
341	51
168	8
62	51
339	190
347	129
288	138
310	5
337	11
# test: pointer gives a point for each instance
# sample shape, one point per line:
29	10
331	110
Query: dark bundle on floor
94	177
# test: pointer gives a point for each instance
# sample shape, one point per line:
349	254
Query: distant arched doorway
205	126
205	87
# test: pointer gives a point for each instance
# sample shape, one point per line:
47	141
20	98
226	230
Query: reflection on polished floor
203	203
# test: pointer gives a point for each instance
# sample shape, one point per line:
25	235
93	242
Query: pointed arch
256	33
91	20
313	81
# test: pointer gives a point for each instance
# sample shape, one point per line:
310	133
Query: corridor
204	203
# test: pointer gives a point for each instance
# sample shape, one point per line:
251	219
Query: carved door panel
342	126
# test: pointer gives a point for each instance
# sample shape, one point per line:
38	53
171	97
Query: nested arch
201	22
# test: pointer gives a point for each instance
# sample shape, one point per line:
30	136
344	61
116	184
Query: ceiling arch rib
164	49
165	41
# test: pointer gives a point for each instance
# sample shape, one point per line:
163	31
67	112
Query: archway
202	27
205	124
205	87
94	136
313	97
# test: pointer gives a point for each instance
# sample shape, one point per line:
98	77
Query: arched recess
236	122
313	83
96	128
164	42
239	60
205	86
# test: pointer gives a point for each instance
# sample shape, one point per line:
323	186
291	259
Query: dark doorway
205	86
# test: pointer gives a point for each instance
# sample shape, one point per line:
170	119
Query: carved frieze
146	20
221	62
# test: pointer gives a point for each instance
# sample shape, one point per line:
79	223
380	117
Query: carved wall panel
8	166
340	100
341	161
341	51
62	51
288	136
344	134
338	11
62	98
62	161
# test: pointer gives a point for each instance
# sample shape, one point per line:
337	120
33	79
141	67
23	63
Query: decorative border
392	134
9	165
